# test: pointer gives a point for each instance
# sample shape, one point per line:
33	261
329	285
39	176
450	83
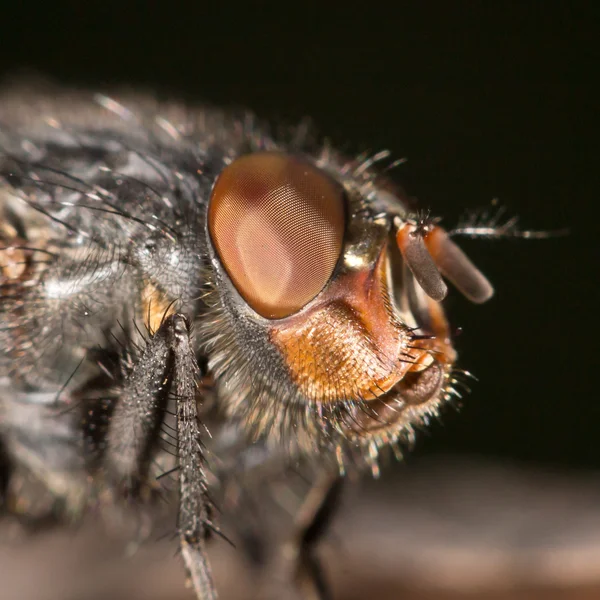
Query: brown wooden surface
442	530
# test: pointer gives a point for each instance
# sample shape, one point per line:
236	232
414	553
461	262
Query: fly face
146	248
328	330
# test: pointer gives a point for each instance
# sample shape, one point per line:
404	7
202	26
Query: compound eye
277	224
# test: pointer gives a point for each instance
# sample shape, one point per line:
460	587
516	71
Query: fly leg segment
193	502
312	522
298	572
167	368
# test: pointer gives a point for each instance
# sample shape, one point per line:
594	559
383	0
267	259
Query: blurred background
485	100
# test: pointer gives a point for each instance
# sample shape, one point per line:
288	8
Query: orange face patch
350	346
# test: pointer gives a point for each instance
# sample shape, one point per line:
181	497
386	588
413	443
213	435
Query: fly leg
167	368
193	502
312	522
297	573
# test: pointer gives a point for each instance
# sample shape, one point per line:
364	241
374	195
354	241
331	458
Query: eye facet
277	224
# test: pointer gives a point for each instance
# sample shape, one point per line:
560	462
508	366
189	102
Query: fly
168	274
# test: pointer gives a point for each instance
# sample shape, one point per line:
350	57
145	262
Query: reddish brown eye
277	224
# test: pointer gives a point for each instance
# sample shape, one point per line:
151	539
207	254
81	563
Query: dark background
485	100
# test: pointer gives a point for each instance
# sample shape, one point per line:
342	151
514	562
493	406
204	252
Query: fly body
157	259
